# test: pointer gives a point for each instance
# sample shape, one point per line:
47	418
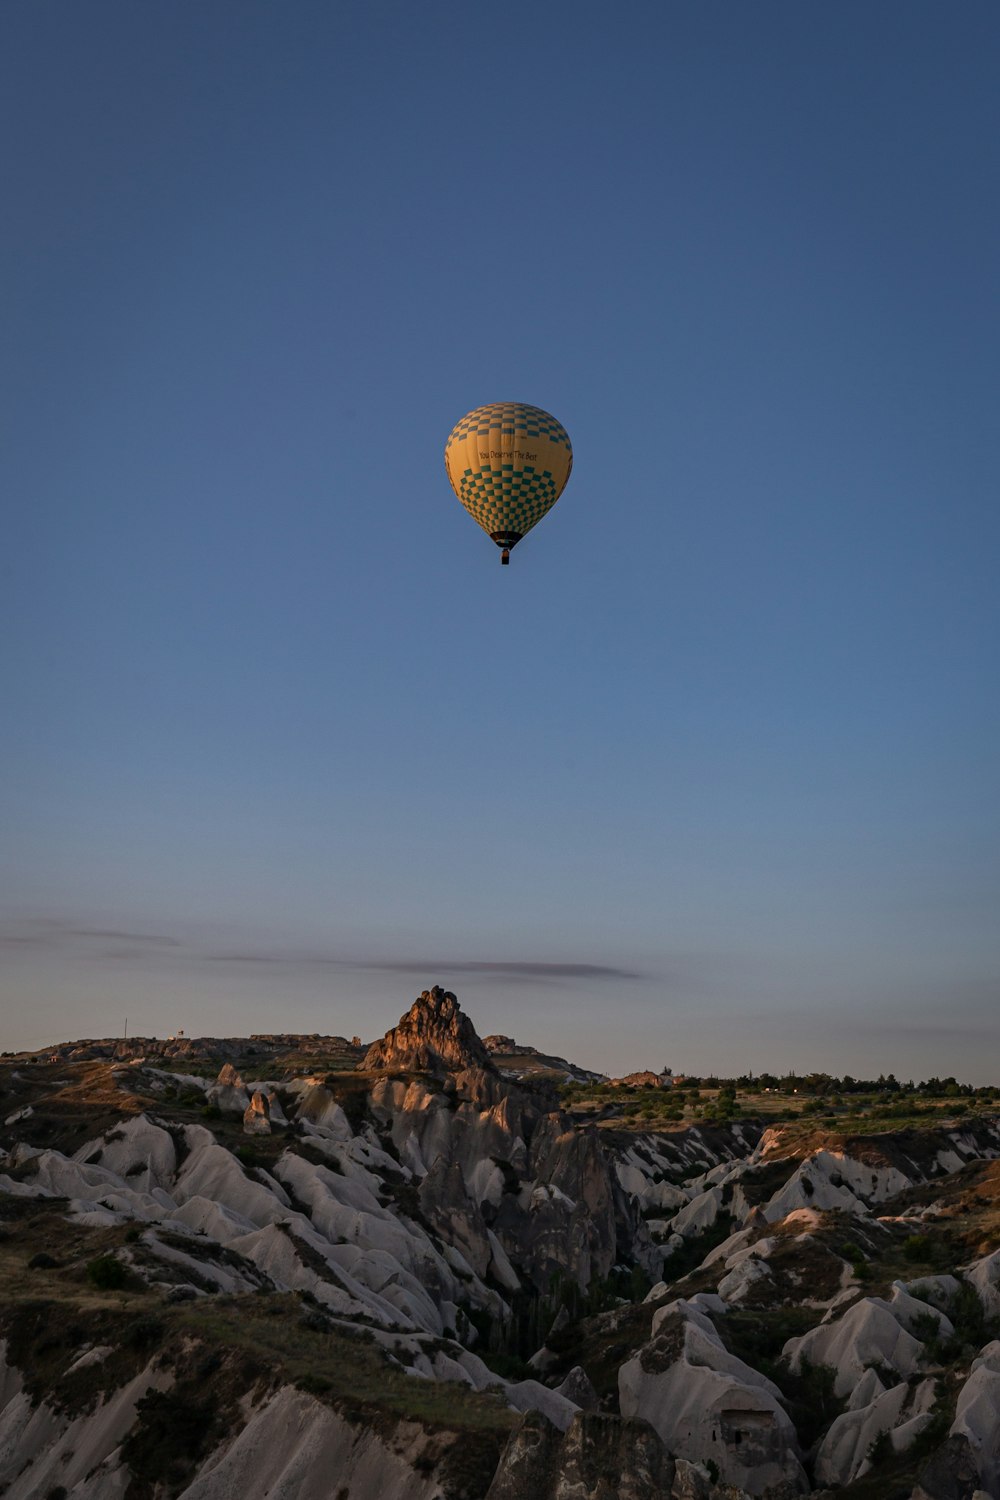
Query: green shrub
144	1333
968	1315
314	1385
939	1348
879	1449
813	1402
107	1273
173	1430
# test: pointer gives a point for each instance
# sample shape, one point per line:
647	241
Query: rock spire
434	1036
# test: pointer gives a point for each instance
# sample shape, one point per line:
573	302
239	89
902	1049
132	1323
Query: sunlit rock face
257	1115
435	1036
229	1093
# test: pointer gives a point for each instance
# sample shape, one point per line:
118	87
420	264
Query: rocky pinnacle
434	1036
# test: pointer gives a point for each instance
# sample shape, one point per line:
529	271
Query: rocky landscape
295	1267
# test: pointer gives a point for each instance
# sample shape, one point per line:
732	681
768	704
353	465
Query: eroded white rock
706	1404
977	1416
902	1412
867	1334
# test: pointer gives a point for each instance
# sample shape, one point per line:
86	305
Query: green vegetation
217	1352
346	1369
174	1430
601	1345
972	1329
45	1336
505	1346
687	1257
879	1449
108	1273
49	1317
895	1474
855	1105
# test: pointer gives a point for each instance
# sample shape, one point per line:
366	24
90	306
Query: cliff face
435	1036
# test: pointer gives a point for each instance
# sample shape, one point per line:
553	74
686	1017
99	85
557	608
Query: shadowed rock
545	1464
578	1388
434	1036
705	1403
951	1474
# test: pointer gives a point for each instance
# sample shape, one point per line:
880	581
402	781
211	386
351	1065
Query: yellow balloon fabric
508	464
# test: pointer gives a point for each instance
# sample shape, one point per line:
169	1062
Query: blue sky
709	776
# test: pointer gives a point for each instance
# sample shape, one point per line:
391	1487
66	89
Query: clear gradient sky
708	777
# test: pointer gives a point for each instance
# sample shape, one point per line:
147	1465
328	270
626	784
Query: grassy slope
218	1349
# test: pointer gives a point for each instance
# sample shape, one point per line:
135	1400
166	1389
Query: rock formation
435	1036
977	1416
900	1414
541	1463
430	1219
951	1474
869	1334
257	1115
708	1405
228	1093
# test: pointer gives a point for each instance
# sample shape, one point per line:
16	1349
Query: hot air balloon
508	464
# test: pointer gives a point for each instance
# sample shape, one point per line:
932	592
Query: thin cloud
66	937
55	934
512	969
519	969
110	934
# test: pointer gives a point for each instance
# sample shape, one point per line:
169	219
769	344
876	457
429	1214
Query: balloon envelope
508	463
